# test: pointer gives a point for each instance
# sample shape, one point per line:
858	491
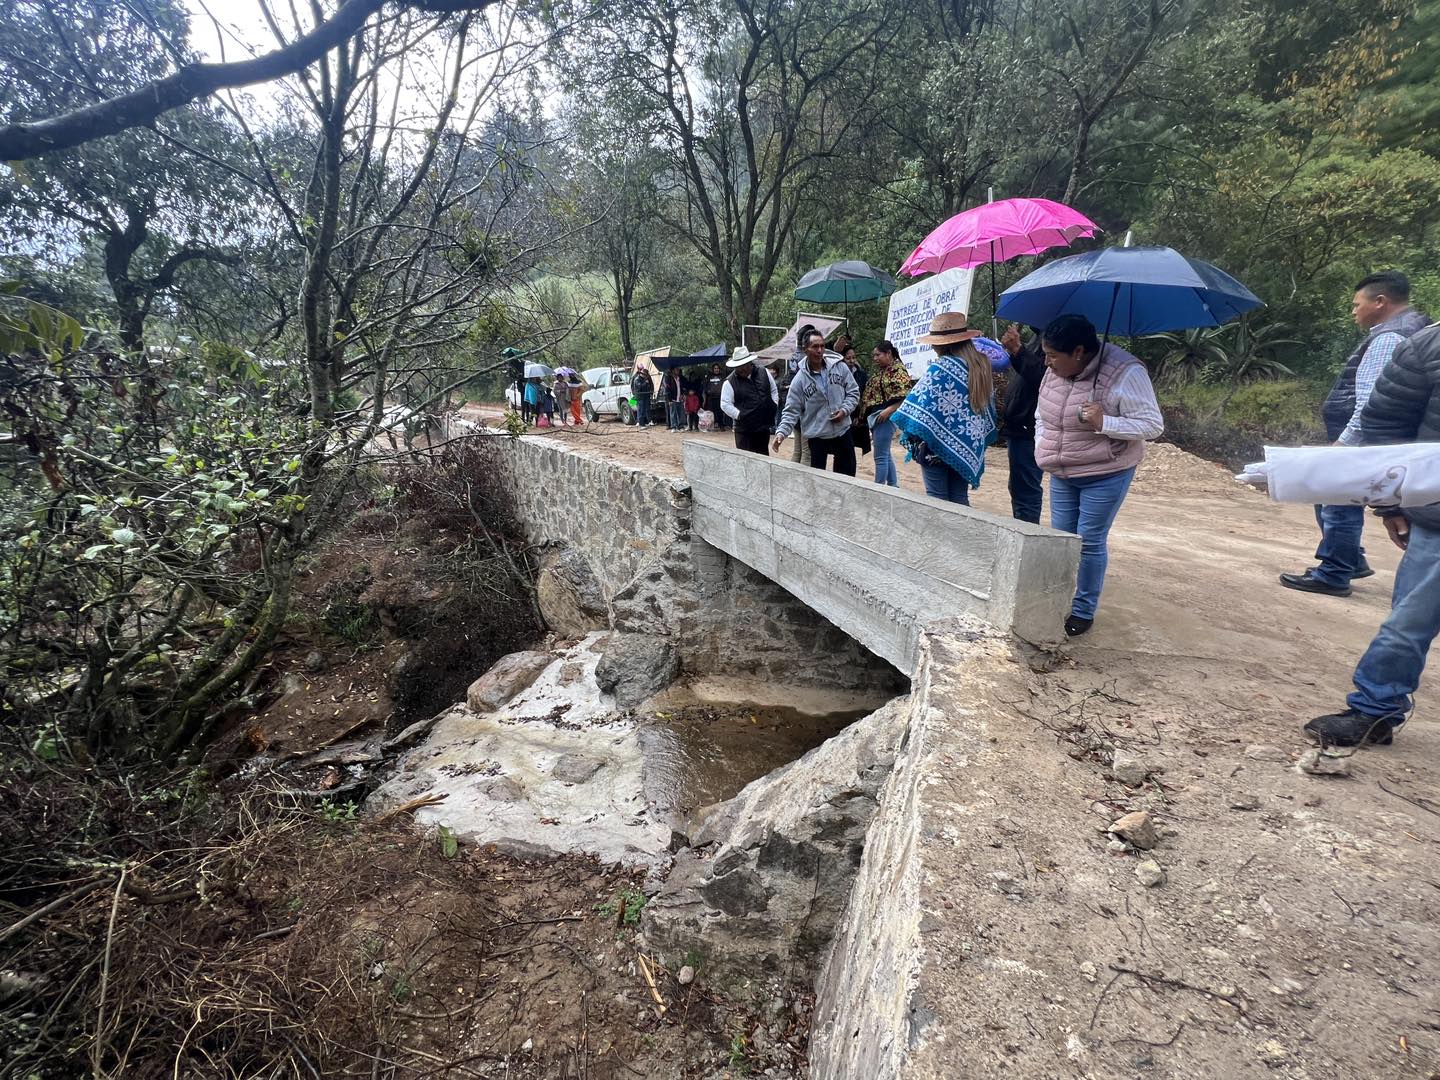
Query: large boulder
769	872
506	678
570	598
634	667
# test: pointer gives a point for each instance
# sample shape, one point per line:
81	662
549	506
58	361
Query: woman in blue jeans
1097	408
948	419
882	395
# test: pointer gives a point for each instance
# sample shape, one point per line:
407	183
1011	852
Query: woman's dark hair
888	346
1070	332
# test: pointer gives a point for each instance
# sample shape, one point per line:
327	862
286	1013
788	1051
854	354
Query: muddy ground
1298	931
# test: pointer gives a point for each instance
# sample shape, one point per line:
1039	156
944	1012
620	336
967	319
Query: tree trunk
623	296
1080	160
131	307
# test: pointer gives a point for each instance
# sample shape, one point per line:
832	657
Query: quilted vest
1066	447
1340	402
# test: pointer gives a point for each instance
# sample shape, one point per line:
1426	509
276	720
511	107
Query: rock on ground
1324	763
571	600
770	871
1138	828
506	678
635	667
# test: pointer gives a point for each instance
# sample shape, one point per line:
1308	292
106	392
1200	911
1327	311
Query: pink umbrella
997	232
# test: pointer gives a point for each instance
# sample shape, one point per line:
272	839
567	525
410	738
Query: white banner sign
912	309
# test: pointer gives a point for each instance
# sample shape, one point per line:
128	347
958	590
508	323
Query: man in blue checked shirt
1382	308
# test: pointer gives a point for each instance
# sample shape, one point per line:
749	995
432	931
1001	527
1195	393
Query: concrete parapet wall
879	562
905	990
634	530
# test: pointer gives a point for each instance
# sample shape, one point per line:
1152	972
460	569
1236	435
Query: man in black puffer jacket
1404	408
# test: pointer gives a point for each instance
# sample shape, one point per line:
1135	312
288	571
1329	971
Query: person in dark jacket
1381	307
751	399
643	387
714	386
1017	424
1403	407
672	389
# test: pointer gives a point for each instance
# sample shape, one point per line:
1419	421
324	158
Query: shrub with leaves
151	507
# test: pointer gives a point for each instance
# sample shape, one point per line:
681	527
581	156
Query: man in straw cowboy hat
750	398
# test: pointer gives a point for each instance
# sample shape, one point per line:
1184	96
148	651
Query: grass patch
1233	425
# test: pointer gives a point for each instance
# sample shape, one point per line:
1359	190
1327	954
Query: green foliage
1233	424
136	494
449	843
740	1054
1233	354
334	813
625	909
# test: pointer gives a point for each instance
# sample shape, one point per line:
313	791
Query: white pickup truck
607	394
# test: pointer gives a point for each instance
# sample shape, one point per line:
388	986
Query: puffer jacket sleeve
1402	393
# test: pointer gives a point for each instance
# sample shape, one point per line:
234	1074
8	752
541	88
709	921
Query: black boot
1351	728
1307	582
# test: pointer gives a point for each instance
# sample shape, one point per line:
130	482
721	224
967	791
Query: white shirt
1131	411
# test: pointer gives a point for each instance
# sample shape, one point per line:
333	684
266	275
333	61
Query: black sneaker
1307	582
1075	626
1351	728
1366	570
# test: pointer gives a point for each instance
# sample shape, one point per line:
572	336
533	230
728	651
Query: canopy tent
714	355
786	346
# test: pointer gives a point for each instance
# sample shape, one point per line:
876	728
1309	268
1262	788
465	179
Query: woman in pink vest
1097	407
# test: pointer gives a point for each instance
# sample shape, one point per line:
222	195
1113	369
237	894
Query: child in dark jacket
692	408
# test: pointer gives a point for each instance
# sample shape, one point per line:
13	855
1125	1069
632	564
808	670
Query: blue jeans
642	410
1339	554
1087	505
675	414
1390	670
1027	480
943	482
881	436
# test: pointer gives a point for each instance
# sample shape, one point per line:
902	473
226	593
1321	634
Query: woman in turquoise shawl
948	419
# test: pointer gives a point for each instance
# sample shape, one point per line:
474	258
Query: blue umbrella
1129	291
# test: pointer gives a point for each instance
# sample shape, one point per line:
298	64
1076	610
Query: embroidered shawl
886	385
939	413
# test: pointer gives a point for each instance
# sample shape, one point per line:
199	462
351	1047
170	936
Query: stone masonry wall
633	530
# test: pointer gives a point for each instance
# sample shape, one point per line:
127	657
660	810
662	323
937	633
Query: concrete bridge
880	563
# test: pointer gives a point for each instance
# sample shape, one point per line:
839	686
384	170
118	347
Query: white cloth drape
1403	475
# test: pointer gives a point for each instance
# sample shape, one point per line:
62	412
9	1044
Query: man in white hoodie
822	397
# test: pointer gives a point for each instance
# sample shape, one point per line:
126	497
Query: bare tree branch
19	142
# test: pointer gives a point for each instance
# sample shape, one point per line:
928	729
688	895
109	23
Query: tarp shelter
714	355
785	347
651	355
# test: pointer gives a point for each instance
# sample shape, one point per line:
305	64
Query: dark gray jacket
1404	407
